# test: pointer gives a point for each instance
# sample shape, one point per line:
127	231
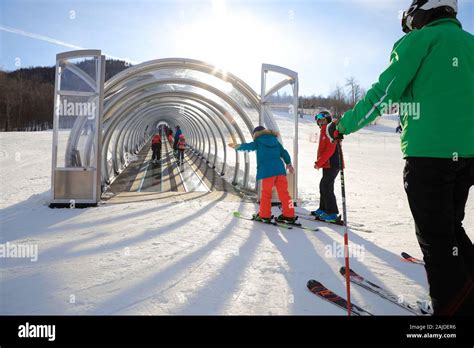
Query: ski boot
425	307
257	217
317	212
287	220
332	218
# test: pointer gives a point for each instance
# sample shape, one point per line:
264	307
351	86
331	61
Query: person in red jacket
328	161
156	148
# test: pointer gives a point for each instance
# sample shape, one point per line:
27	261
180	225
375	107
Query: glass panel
282	109
76	131
79	74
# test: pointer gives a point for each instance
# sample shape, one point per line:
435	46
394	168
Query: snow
194	257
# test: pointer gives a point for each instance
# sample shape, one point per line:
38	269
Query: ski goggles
407	22
407	18
320	116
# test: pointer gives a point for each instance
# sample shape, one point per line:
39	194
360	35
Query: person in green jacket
431	77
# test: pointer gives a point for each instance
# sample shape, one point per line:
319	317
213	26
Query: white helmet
422	7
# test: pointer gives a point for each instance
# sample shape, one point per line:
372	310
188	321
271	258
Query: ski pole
346	235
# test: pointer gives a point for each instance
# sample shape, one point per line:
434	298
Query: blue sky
325	41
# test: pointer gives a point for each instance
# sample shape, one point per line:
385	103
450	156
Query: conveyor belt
144	180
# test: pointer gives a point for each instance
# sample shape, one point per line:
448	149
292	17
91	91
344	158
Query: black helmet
258	129
422	12
323	114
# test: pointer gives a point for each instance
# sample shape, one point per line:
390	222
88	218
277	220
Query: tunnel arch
212	107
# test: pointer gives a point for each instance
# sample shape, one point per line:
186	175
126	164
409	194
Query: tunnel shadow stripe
168	273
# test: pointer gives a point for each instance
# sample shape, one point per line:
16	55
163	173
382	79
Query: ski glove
332	132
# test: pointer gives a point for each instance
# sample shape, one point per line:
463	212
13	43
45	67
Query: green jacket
431	69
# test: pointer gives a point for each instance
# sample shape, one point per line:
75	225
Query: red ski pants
266	199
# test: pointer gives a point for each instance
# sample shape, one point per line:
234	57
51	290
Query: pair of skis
339	222
311	217
320	290
378	290
276	223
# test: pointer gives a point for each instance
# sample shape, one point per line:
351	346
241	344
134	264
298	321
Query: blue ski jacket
269	154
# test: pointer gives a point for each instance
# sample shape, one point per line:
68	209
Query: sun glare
229	39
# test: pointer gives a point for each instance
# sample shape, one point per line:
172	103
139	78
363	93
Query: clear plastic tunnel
211	106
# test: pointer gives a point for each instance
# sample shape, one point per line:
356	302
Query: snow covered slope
194	257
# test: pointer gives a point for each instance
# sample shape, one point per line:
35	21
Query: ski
281	224
304	227
240	216
383	293
351	226
314	218
321	291
308	216
311	217
409	258
298	225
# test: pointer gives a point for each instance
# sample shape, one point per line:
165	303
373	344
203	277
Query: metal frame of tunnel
212	106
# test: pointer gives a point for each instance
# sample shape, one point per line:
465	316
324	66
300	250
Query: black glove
332	132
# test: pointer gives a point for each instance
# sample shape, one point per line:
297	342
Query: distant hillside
26	96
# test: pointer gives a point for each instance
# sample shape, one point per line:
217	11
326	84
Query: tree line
27	96
341	99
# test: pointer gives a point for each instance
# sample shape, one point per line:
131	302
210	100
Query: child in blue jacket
272	172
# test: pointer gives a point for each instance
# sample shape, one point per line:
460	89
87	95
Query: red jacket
156	139
325	149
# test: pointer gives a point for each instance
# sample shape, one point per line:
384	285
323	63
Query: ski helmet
422	12
323	115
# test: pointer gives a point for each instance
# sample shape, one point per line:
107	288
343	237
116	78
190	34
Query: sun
230	39
219	7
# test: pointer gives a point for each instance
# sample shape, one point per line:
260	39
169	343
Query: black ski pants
156	151
327	201
437	190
